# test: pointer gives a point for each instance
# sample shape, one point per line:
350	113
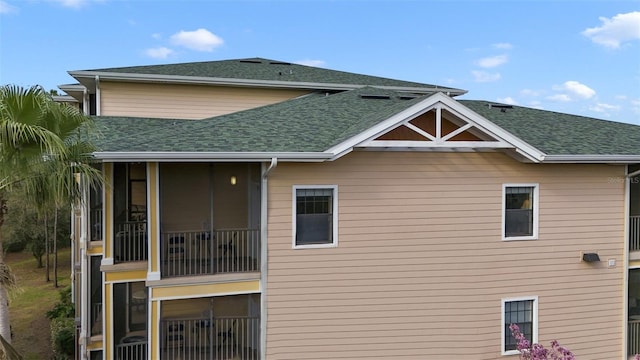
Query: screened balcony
130	212
210	216
211	328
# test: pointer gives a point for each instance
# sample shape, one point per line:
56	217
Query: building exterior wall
420	269
173	101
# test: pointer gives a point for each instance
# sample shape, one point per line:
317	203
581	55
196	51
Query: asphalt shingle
267	70
311	123
562	134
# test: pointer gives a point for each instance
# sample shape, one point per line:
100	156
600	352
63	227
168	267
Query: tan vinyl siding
183	101
420	269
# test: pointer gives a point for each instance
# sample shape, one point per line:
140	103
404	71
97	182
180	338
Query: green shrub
63	338
64	307
14	244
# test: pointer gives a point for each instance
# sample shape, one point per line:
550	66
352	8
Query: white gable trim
438	101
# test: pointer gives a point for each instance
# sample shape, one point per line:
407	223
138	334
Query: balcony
634	337
132	348
218	327
130	241
634	233
211	338
95	224
203	252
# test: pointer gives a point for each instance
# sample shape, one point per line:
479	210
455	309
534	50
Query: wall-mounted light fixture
590	257
233	180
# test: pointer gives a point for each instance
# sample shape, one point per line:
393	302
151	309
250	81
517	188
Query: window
315	216
520	214
524	313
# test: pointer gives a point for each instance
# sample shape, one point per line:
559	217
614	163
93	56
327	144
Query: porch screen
314	217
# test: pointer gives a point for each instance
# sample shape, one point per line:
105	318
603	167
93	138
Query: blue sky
579	57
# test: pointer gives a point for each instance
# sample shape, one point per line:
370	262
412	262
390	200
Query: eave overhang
591	159
87	78
158	156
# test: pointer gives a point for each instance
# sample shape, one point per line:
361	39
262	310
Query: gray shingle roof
319	121
562	134
312	123
267	70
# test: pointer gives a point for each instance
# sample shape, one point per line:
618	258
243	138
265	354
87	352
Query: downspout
98	95
86	103
84	279
274	163
625	291
263	256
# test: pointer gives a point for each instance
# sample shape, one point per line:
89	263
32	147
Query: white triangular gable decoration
438	123
437	127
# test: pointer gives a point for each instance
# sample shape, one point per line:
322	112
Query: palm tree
42	145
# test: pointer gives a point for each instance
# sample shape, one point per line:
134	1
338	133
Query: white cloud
559	98
502	46
615	31
159	52
156	36
74	4
483	76
6	8
536	104
575	88
603	108
493	61
309	62
199	40
530	92
508	100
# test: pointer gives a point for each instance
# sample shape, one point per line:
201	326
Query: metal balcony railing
136	350
634	337
190	253
96	319
634	233
130	242
211	338
95	224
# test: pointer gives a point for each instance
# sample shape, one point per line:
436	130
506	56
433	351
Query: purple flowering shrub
536	351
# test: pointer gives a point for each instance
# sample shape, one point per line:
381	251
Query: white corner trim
106	262
153	276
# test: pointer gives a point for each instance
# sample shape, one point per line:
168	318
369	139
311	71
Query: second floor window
520	216
315	216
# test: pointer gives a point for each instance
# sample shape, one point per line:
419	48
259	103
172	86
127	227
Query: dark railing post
634	233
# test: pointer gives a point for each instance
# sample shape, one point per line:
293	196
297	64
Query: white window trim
534	317
536	210
335	216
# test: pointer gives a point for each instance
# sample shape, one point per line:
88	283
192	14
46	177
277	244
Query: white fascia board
443	145
458	109
248	82
210	156
601	159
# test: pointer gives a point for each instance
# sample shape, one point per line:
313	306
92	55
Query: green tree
39	140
